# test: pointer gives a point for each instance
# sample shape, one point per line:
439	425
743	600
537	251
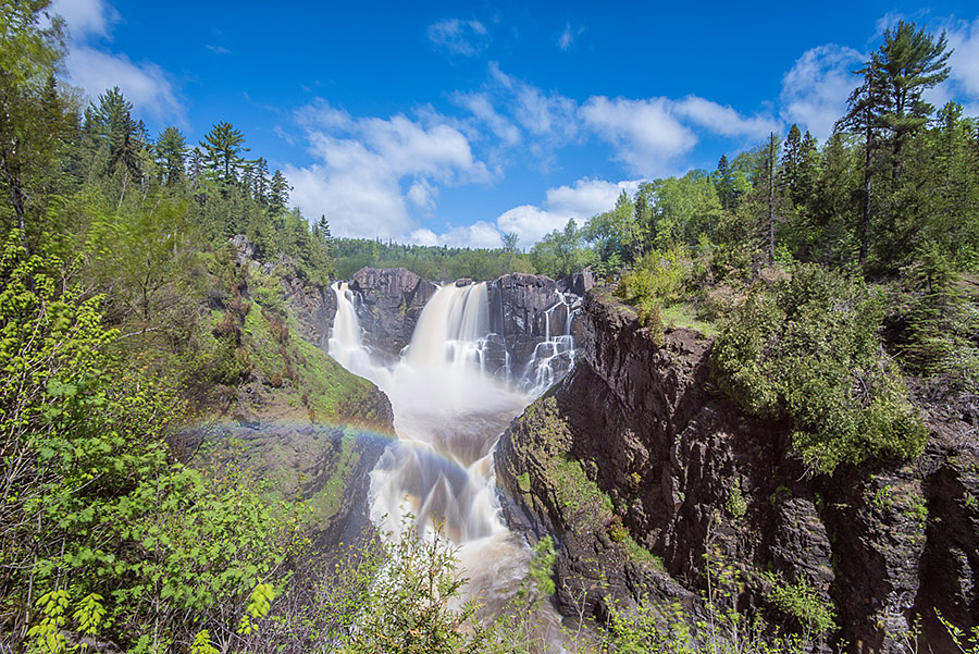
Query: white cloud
356	205
964	38
645	132
480	234
587	197
461	37
579	202
218	49
84	17
145	85
95	70
365	163
424	237
481	107
566	40
724	120
531	223
815	90
545	114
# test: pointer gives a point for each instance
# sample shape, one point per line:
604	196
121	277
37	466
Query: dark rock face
879	543
313	307
519	314
392	300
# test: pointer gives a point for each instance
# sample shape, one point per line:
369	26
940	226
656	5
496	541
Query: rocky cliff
639	470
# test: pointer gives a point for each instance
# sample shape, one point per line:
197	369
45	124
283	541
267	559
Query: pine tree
121	136
278	193
909	62
724	183
889	104
171	153
798	165
863	118
223	150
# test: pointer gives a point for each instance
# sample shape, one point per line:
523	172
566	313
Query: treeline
438	263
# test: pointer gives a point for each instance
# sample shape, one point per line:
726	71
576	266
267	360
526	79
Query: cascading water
449	412
555	354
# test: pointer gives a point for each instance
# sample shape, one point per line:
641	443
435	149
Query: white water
556	349
448	415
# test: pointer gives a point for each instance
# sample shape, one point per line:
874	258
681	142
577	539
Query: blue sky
450	123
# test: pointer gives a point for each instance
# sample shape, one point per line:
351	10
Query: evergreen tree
724	183
32	116
798	165
171	152
223	150
278	193
908	63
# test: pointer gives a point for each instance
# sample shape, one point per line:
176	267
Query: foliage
799	600
437	263
805	349
95	512
561	252
735	504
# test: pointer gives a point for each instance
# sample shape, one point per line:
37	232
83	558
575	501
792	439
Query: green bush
806	349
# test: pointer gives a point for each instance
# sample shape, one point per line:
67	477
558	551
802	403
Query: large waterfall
448	414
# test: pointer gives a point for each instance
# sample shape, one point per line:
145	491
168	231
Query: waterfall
346	343
449	412
554	356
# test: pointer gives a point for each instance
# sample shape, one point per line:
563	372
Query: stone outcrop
523	312
391	301
671	472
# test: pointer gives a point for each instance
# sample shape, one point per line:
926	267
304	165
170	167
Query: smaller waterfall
555	355
346	343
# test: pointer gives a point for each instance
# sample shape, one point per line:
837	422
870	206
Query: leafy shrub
800	600
806	349
660	276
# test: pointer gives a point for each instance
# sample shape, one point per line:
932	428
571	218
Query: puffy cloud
579	202
95	70
530	223
364	163
587	197
724	120
145	85
355	205
815	89
964	38
460	37
480	234
645	133
424	237
84	17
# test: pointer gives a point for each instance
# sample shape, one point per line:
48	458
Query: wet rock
392	300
